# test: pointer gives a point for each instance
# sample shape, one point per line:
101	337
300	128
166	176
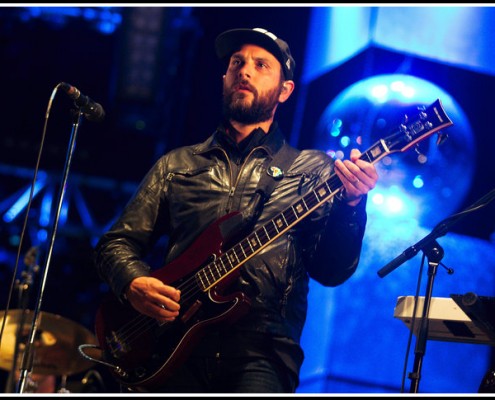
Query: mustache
245	85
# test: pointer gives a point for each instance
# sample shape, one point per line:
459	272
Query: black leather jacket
191	187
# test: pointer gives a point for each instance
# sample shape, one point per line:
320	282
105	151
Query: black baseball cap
229	41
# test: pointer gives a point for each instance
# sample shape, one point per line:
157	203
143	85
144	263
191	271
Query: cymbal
55	345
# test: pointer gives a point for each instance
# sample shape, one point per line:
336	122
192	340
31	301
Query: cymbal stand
63	385
24	288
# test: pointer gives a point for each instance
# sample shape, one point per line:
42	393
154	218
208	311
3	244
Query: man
191	188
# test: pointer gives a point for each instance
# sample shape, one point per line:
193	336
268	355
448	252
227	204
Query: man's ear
287	89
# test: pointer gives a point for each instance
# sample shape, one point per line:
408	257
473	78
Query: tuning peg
441	137
421	157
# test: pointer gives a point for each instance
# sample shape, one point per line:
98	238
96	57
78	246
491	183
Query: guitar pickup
192	310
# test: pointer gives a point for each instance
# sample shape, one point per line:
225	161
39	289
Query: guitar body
145	351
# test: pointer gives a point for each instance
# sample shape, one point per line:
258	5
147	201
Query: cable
28	208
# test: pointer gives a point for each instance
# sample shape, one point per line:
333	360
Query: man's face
252	85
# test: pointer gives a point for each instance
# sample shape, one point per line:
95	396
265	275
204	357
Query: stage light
427	183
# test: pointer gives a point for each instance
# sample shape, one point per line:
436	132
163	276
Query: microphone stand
28	357
434	253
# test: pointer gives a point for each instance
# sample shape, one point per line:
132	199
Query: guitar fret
235	254
258	239
266	232
254	241
230	258
223	265
291	217
375	151
261	233
311	199
299	208
330	191
243	252
249	243
218	272
320	193
201	280
283	216
208	269
248	248
275	226
204	278
367	155
270	229
304	202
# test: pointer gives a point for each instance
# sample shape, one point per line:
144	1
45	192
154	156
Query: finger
347	171
168	291
163	313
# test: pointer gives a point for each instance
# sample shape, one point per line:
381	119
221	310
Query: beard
236	107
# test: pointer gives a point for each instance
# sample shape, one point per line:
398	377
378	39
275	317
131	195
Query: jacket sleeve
120	253
333	252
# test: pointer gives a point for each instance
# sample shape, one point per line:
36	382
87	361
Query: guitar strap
273	171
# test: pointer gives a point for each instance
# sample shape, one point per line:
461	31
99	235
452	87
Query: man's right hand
152	297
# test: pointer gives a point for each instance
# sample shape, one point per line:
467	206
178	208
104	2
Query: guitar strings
143	323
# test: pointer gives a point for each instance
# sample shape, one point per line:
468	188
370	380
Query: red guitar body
145	351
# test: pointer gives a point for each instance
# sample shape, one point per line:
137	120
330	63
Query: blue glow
42	235
83	209
395	204
418	182
46	205
22	202
335	130
345	141
64	212
392	202
379	92
104	19
335	35
461	36
377	198
394	90
375	107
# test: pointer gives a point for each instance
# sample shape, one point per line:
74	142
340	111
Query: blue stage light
428	183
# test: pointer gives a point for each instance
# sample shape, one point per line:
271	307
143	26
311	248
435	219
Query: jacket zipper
234	187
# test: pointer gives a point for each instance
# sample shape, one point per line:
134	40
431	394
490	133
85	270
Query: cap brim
230	41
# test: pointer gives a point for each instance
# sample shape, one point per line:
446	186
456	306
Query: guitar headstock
426	122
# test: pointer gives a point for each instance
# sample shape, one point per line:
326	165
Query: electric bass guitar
141	352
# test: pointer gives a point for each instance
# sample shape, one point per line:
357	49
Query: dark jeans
232	375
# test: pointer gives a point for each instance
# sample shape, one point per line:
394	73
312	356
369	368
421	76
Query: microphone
92	110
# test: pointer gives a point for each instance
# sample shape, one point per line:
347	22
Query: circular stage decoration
425	184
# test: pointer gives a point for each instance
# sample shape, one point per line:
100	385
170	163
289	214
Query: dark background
181	106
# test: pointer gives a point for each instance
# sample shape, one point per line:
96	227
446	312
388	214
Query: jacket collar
273	142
